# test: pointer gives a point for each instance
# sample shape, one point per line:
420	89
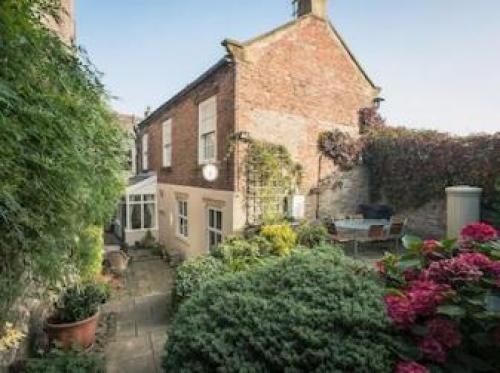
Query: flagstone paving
142	311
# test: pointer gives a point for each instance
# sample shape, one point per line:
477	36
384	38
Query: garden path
142	312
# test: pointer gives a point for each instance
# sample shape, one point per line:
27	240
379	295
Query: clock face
210	172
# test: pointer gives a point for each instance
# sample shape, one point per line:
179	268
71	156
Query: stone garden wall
428	221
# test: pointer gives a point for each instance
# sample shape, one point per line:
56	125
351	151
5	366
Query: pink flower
426	296
445	332
430	246
400	311
494	268
380	267
462	268
411	274
479	260
479	232
432	350
411	367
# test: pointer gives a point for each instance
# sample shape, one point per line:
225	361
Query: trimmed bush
281	236
72	362
312	235
89	254
237	253
313	311
193	274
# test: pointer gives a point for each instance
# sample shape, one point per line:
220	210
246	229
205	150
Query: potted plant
77	312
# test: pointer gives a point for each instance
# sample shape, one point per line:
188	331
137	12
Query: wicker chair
396	230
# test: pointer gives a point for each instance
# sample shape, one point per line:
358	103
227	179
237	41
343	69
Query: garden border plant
62	154
446	298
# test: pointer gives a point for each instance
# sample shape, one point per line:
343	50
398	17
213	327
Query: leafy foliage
71	362
313	311
312	235
281	236
61	153
273	175
445	298
195	273
81	302
341	148
411	167
89	254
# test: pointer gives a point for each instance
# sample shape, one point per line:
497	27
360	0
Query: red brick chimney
317	7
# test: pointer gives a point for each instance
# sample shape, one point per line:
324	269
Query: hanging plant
341	148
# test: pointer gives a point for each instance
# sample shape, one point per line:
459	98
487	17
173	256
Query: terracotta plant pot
81	333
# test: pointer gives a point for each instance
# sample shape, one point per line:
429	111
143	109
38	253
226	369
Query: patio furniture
364	230
357	217
396	230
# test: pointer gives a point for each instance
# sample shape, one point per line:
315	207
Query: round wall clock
210	172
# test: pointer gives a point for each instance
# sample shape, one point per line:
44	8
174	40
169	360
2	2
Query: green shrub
193	274
81	302
89	254
237	253
312	235
66	362
282	238
313	311
62	152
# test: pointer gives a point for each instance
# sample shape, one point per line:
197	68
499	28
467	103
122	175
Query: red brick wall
297	83
184	114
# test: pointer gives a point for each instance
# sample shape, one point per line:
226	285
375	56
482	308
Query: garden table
359	228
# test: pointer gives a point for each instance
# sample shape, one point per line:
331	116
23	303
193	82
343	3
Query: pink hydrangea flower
461	268
445	332
426	296
494	268
479	232
430	246
433	350
400	310
479	260
411	367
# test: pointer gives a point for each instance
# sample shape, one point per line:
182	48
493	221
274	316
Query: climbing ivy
61	152
272	174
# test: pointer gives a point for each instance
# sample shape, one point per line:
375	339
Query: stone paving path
143	312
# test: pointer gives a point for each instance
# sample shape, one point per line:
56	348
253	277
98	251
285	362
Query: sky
437	61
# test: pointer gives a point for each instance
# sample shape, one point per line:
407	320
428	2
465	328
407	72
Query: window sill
182	239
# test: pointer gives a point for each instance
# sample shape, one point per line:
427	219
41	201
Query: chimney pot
317	7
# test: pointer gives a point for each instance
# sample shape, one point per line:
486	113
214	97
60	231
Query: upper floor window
167	143
207	131
145	152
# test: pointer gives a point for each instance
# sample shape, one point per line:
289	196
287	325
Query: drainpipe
320	161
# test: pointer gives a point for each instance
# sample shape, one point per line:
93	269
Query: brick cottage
285	87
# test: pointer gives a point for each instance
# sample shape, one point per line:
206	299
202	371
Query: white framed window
141	212
182	219
214	228
207	131
145	152
167	143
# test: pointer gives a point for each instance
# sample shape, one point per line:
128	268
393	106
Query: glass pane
149	216
124	216
149	197
135	216
211	239
219	221
135	198
218	238
211	218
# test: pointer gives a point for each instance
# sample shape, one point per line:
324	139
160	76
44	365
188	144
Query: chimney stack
317	7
